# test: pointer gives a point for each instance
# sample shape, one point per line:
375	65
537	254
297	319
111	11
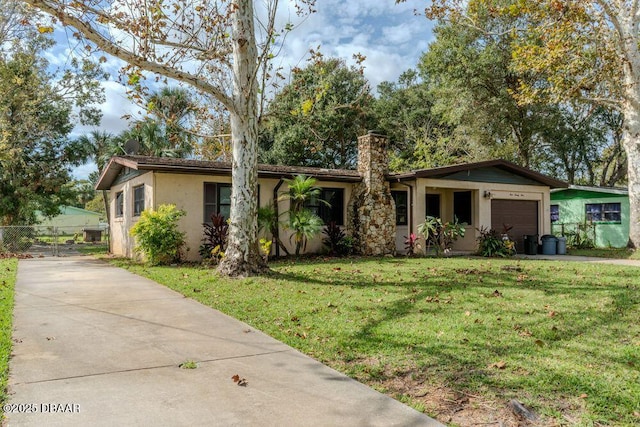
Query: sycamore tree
585	50
211	46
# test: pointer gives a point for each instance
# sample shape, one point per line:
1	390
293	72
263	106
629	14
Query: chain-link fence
51	241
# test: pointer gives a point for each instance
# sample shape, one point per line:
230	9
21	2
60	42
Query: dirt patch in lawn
448	405
454	407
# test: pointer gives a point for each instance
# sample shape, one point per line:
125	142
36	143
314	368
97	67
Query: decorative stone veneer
371	210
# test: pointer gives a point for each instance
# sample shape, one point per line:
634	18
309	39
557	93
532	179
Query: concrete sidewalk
96	345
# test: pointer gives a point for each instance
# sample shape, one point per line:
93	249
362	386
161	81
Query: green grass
563	338
8	268
616	253
92	249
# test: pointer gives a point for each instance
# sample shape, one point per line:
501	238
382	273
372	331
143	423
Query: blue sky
390	36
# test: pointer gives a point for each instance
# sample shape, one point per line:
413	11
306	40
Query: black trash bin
549	244
530	244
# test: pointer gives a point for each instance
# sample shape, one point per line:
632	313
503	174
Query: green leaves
157	235
316	119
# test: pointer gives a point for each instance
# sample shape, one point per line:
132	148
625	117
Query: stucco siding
187	193
482	194
122	243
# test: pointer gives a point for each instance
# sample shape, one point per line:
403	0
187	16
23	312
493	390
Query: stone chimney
371	211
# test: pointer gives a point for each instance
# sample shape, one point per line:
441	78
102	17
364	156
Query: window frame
119	204
326	213
213	206
405	194
554	210
603	212
138	204
219	203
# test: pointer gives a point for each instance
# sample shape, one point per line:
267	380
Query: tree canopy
316	119
38	109
585	51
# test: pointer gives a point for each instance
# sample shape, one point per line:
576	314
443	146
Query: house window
119	204
400	199
462	206
217	200
138	200
224	200
555	213
334	211
433	205
603	212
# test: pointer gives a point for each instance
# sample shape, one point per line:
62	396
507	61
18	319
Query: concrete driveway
96	345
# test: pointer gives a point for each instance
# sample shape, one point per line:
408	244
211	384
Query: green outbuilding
591	216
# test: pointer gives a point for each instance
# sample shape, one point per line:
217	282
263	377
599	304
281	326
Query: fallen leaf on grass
552	313
584	396
239	381
498	365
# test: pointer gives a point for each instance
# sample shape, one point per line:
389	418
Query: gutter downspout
275	206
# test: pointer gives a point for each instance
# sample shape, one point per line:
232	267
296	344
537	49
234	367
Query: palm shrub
157	235
302	189
304	223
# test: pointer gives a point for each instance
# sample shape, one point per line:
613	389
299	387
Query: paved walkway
96	345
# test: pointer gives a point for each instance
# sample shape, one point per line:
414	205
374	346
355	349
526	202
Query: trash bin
549	244
561	247
530	244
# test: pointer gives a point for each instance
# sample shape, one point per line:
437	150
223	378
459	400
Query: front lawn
8	268
616	253
457	338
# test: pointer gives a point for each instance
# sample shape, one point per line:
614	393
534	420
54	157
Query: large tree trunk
631	143
631	114
242	257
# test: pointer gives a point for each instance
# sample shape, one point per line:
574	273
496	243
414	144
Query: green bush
493	244
157	235
441	235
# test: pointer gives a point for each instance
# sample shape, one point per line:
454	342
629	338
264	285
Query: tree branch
109	46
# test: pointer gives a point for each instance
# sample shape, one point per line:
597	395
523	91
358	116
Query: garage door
522	215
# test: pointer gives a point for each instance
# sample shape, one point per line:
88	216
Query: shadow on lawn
572	317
